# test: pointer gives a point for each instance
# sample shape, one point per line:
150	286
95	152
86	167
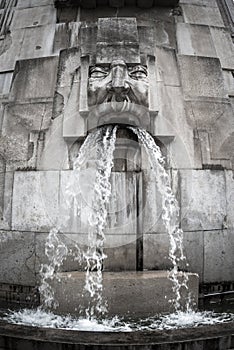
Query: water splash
40	318
55	251
95	256
170	215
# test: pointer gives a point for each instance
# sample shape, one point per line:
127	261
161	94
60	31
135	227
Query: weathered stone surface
230	198
203	202
167	66
132	294
121	252
117	38
223	46
33	3
209	3
5	223
171	104
193	243
5	82
38	77
34	16
17	250
195	40
10	55
218	255
228	82
206	72
54	155
202	15
35	200
37	42
156	250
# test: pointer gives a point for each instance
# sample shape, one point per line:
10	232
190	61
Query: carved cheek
140	91
97	91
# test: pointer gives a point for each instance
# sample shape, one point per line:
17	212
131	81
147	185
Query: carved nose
118	84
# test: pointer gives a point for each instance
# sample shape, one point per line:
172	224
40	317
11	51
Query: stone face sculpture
118	82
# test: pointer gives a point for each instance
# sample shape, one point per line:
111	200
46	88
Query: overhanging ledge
115	3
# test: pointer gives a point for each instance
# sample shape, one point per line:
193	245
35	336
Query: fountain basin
210	337
129	294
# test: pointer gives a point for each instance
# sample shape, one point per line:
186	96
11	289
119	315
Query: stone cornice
115	3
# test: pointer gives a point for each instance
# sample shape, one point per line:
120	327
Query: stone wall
39	88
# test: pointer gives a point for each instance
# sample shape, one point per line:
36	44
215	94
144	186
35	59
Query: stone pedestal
128	294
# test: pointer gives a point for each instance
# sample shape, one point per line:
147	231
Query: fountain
117	192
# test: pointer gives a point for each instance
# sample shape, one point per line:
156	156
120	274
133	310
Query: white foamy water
40	318
170	215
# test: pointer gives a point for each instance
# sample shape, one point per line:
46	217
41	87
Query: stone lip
62	336
119	113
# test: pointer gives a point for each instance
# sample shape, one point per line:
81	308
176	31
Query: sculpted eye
97	72
138	72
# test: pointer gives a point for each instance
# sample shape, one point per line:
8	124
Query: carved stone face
118	82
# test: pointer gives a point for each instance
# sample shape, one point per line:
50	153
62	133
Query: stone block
156	251
37	42
38	76
33	16
203	200
224	46
207	15
11	50
121	252
5	82
5	223
172	121
194	252
33	3
201	77
128	294
17	251
167	66
54	155
35	200
195	40
209	3
230	198
228	82
218	256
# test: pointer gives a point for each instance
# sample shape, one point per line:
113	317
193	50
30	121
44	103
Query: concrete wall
39	87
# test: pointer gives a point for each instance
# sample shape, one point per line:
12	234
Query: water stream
96	155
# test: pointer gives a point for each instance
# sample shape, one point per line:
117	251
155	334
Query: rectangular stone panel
34	16
33	3
195	40
223	46
38	77
203	200
201	77
209	3
167	66
35	200
5	82
193	245
218	256
207	15
230	198
229	82
156	251
12	43
37	42
17	250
